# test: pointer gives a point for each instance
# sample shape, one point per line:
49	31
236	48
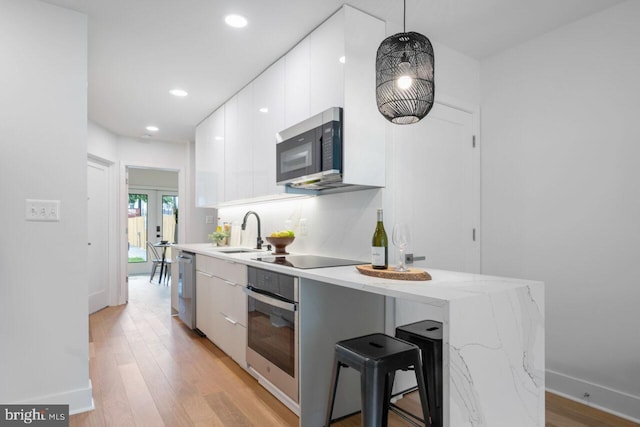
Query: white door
98	245
436	173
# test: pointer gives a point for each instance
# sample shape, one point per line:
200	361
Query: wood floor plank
142	405
226	411
172	413
577	412
115	406
147	368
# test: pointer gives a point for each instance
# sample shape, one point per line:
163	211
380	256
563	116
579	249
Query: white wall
101	143
44	356
560	195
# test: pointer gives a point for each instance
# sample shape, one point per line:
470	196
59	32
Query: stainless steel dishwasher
187	288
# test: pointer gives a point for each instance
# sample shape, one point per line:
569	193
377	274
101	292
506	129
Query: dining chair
156	259
167	270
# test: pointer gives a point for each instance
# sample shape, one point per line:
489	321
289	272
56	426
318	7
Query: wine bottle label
377	256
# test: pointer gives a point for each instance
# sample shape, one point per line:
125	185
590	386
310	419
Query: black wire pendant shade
404	77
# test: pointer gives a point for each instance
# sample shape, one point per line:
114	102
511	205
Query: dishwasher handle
185	260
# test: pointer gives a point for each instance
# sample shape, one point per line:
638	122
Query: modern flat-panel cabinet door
297	83
238	146
209	160
204	303
268	119
326	65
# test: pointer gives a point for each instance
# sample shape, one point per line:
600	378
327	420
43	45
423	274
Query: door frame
123	204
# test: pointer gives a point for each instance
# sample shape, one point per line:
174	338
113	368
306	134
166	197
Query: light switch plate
304	227
42	210
208	219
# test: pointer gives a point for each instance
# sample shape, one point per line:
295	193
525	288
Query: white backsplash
338	225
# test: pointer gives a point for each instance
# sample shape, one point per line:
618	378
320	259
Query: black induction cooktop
308	261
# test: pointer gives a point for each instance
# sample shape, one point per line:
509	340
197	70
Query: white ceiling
140	49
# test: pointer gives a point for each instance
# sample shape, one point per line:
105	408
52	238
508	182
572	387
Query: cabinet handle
204	274
229	283
229	262
228	319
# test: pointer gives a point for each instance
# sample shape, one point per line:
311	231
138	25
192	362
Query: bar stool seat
377	357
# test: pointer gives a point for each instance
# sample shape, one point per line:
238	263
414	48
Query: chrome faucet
259	240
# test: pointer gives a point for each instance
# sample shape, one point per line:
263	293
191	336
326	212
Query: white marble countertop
445	285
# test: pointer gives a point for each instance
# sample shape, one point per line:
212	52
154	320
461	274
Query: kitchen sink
237	251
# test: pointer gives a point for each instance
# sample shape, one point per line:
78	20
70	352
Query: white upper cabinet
334	66
341	57
209	160
268	119
238	150
296	77
327	65
364	127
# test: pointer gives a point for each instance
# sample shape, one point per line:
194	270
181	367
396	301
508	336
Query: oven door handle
290	306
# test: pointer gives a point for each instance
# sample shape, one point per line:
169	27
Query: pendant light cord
404	21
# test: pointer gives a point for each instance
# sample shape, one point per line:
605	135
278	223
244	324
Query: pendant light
404	76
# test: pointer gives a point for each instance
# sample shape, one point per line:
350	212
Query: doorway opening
152	216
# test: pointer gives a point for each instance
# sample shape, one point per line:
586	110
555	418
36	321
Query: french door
152	217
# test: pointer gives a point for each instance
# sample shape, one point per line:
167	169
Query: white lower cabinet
204	287
233	338
221	305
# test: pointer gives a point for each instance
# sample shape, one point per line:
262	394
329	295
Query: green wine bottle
379	246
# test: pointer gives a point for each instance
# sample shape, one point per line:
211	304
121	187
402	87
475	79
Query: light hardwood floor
148	369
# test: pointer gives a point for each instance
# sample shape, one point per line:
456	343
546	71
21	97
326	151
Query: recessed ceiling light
236	21
152	128
178	92
342	59
264	110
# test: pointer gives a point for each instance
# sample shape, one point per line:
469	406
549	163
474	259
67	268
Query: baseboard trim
615	402
79	400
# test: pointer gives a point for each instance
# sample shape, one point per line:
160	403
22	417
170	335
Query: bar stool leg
332	393
374	390
422	390
388	389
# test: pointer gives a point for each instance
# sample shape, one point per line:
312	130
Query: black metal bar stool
427	335
377	357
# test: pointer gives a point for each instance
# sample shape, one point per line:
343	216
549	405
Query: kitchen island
493	336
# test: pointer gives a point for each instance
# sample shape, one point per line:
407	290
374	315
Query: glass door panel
169	227
137	227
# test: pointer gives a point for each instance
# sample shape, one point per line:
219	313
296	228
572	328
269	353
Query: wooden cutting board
391	273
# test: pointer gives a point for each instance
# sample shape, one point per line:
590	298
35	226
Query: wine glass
401	239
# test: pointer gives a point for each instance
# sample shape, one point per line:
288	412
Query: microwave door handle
271	301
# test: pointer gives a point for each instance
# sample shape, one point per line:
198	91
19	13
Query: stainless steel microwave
309	154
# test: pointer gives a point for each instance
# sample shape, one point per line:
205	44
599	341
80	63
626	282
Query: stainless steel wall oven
272	329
